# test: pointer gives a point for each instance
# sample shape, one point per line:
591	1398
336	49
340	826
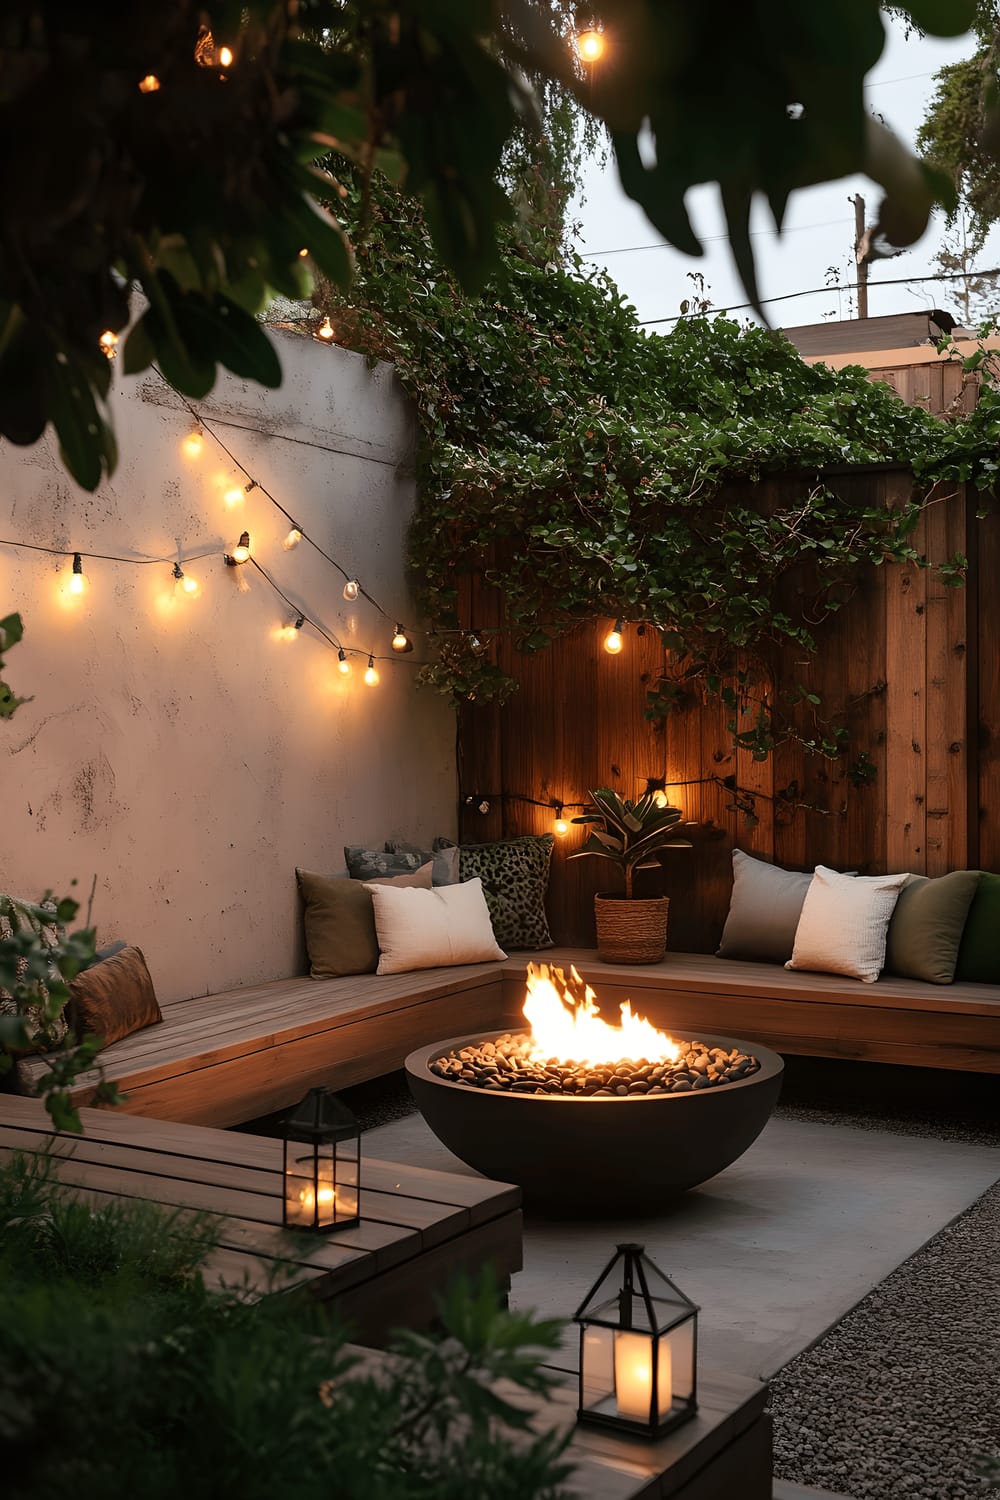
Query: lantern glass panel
322	1161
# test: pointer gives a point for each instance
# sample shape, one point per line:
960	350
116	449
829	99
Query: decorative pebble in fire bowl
623	1135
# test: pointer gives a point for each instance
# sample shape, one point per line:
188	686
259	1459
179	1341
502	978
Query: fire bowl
597	1156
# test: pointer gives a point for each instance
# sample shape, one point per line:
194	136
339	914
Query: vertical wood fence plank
906	713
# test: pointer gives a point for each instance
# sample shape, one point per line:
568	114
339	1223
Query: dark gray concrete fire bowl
597	1156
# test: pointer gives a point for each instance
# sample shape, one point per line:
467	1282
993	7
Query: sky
819	223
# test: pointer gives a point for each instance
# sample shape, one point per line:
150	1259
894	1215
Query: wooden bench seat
418	1227
224	1059
893	1020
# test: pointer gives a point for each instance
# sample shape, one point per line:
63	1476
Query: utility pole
861	253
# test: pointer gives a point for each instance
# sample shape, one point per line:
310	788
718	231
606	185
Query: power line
709	239
848	286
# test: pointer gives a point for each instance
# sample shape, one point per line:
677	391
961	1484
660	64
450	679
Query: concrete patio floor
774	1250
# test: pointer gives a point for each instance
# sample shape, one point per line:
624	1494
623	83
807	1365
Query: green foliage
630	834
121	1372
38	960
11	631
201	190
588	469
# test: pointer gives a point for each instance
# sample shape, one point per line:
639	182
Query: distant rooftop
897	331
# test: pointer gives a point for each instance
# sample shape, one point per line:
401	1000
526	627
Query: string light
109	343
193	443
241	552
293	538
225	57
78	583
326	330
290	632
352	589
613	639
401	641
560	827
303	252
371	672
234	496
590	44
189	585
343	665
149	85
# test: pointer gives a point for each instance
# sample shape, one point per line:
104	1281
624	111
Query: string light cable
296	529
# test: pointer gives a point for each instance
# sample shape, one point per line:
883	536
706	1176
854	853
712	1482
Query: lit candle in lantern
306	1201
634	1376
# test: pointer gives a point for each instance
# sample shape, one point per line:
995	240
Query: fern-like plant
630	834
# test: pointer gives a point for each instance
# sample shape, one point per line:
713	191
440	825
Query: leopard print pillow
515	876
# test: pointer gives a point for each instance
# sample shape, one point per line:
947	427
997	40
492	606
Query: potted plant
630	834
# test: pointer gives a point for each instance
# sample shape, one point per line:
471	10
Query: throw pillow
422	929
445	859
515	877
764	910
927	925
340	923
114	998
844	922
979	953
402	859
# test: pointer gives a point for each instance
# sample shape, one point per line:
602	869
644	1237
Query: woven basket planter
631	932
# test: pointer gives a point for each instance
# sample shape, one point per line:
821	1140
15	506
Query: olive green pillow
114	998
979	954
927	925
340	922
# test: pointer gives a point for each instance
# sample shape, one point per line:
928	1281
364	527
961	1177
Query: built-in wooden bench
418	1227
227	1058
224	1059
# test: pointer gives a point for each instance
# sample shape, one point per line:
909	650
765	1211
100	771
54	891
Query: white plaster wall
174	748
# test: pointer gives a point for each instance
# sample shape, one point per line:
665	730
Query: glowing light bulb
613	639
241	552
560	827
371	672
661	799
194	442
352	589
303	252
591	44
343	665
149	85
326	330
78	583
109	343
189	585
293	538
234	496
401	641
290	632
225	57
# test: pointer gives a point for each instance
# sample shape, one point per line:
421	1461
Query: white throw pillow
422	929
844	921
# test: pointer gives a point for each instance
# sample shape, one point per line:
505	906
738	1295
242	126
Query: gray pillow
927	925
764	910
400	859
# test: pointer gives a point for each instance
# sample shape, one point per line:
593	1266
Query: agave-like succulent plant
630	833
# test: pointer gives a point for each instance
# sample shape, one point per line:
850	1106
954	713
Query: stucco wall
175	749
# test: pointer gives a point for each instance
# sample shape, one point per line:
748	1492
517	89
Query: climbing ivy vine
589	469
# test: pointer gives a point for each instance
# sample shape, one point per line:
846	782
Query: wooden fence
912	660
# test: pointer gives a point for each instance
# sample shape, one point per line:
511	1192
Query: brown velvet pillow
114	998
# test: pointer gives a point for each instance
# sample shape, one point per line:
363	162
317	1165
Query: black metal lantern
321	1165
638	1348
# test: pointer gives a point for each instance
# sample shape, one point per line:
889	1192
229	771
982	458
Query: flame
565	1022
